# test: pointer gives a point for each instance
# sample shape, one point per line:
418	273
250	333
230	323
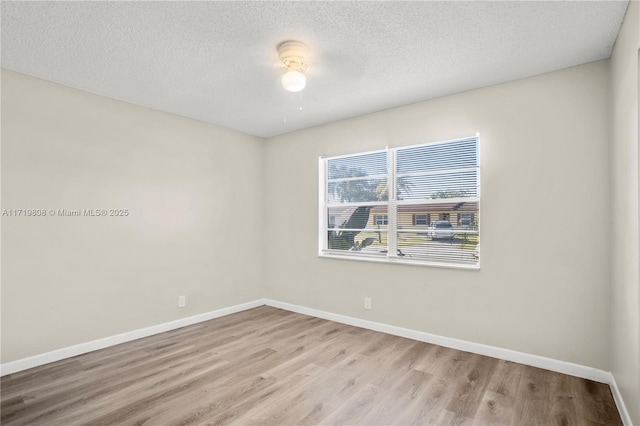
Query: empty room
283	212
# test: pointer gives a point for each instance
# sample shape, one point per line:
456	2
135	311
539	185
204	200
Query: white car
440	230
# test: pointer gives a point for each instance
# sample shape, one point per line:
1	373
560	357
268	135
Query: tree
349	191
402	186
449	193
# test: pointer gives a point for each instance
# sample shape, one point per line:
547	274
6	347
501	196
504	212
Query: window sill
397	261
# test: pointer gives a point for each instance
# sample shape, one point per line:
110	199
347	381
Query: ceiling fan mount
293	55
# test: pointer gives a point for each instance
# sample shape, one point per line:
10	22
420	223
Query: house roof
430	208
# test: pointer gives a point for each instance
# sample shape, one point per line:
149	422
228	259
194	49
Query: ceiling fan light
293	81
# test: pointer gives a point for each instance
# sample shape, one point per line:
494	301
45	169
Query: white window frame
392	209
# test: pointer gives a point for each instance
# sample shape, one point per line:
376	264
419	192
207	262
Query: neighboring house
461	215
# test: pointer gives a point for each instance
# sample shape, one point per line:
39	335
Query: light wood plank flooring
273	367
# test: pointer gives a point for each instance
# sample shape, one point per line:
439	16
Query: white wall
544	283
625	328
195	201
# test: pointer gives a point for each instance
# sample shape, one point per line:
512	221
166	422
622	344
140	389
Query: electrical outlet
182	301
367	303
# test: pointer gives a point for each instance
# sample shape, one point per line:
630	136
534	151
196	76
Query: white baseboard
617	397
477	348
492	351
82	348
463	345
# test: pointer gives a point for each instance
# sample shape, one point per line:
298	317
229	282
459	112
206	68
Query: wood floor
273	367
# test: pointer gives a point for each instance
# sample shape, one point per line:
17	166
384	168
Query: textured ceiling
216	61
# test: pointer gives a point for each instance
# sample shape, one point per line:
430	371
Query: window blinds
417	204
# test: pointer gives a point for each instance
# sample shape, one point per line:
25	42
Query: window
465	219
396	205
421	219
381	219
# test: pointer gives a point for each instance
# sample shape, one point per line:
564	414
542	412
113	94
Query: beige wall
544	283
625	328
193	191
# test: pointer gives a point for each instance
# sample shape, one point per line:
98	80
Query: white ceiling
216	61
